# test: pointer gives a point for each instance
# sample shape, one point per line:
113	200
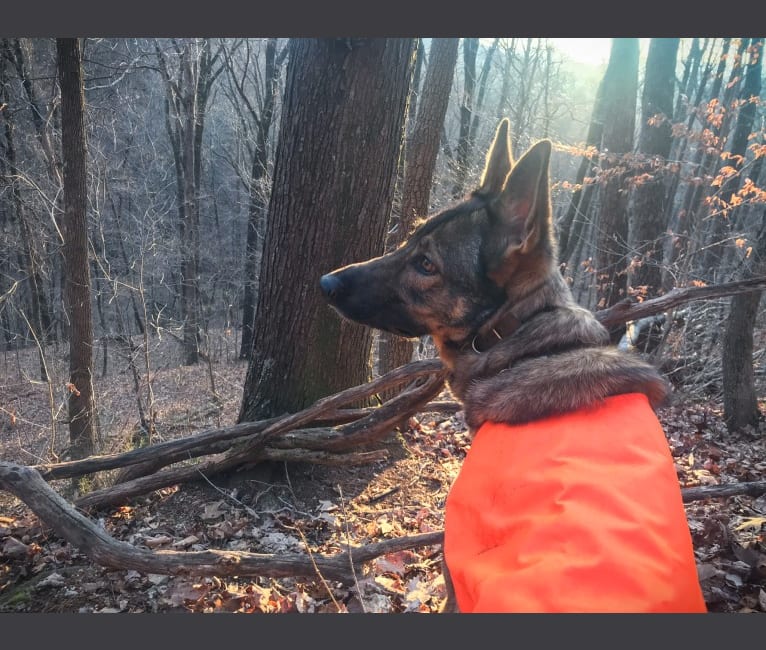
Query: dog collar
501	325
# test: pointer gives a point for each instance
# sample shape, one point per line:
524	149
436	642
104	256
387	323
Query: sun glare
594	51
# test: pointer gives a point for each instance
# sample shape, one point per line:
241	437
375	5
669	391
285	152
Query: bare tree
82	425
470	49
254	96
188	91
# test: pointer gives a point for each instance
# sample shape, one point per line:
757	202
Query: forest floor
309	507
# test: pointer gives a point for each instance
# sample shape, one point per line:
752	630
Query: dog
567	453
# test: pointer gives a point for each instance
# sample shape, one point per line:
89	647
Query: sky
589	50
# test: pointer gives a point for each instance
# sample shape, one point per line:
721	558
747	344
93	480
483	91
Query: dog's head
461	265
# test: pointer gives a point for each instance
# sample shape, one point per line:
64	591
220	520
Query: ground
309	508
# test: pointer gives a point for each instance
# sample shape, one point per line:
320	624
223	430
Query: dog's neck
553	292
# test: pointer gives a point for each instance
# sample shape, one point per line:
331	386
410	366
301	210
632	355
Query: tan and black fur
482	279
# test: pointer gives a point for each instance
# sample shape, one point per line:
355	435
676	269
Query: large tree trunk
82	429
422	151
648	225
620	89
340	136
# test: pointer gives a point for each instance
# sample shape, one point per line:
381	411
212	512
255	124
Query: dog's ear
524	205
499	161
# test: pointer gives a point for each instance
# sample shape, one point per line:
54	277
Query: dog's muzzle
331	287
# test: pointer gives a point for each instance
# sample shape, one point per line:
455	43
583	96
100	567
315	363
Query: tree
340	136
29	251
740	402
706	231
652	180
422	151
620	89
470	49
82	407
570	227
261	114
187	96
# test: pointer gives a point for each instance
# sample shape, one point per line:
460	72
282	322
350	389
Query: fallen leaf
53	580
213	511
751	522
15	549
707	571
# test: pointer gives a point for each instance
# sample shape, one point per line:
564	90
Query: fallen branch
27	484
751	489
325	443
629	310
325	412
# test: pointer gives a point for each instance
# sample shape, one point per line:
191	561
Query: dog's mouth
376	322
359	305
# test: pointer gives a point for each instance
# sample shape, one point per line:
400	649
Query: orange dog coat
579	512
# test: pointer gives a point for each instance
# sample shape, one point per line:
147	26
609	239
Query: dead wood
629	310
27	484
325	412
373	426
321	445
751	489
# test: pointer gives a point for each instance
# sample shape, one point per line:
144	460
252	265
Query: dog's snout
331	286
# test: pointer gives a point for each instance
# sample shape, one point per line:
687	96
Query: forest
186	425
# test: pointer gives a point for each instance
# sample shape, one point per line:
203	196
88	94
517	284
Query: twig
348	541
751	489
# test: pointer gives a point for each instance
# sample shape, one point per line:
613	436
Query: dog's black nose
331	285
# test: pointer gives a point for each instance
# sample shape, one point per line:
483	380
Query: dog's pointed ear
499	161
522	211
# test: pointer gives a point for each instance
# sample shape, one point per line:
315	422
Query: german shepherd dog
482	279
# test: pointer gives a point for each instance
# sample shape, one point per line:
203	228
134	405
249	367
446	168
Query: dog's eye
426	266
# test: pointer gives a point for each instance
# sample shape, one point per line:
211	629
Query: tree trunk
740	402
190	225
648	225
82	428
422	151
340	136
683	222
470	49
620	89
570	228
